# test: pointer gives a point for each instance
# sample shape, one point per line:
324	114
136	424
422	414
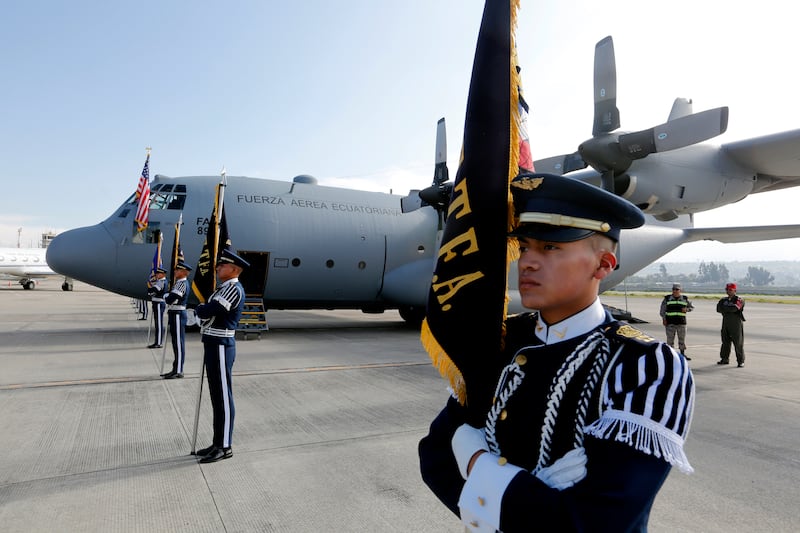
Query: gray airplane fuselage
312	246
322	247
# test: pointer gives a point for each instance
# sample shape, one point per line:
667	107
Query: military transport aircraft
320	247
29	265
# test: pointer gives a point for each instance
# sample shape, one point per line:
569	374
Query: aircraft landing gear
66	286
412	315
28	284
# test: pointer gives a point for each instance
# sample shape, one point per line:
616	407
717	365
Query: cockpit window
164	196
167	196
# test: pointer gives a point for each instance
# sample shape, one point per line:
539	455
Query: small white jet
29	265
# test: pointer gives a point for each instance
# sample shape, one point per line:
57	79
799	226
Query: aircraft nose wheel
66	286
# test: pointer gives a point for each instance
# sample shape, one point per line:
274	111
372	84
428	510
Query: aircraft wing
774	158
743	234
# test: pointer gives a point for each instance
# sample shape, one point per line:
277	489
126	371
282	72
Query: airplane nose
84	254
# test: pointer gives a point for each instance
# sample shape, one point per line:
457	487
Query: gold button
503	414
481	501
502	461
521	359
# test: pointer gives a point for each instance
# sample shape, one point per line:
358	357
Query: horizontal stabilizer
743	234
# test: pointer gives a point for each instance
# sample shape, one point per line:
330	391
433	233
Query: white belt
176	308
156	299
216	332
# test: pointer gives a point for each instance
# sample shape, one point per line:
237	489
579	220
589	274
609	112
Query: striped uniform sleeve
647	403
228	296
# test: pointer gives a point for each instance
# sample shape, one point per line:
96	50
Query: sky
350	92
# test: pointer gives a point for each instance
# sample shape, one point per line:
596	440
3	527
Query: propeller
438	194
610	153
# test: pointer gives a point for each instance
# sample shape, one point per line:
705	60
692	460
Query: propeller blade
607	181
440	172
606	114
678	133
560	164
691	129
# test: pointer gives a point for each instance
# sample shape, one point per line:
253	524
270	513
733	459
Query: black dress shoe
154	345
142	318
217	454
205	451
174	375
740	365
721	362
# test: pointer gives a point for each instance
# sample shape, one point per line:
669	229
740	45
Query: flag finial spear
148	150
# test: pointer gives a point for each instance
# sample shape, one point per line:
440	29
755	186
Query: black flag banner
205	278
466	309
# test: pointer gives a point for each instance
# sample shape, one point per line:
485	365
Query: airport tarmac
330	406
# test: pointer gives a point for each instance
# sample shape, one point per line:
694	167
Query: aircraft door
254	279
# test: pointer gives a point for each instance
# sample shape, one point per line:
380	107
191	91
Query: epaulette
624	332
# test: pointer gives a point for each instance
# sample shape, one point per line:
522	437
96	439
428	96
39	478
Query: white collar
571	327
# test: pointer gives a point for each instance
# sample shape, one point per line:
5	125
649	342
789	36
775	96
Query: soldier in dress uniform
141	307
156	291
589	414
732	309
220	317
176	300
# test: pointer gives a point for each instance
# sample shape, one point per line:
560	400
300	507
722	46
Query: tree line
710	273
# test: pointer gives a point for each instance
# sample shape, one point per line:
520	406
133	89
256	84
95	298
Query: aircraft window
420	249
296	262
149	235
166	188
329	263
362	265
156	187
162	200
180	188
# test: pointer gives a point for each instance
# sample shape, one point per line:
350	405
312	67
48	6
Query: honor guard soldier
156	291
220	317
673	316
141	307
732	309
589	414
176	300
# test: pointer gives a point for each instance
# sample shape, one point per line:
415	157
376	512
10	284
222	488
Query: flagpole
173	263
213	266
197	410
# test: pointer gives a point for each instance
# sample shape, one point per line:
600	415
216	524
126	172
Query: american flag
143	194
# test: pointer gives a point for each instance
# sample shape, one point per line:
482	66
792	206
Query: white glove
466	441
566	471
